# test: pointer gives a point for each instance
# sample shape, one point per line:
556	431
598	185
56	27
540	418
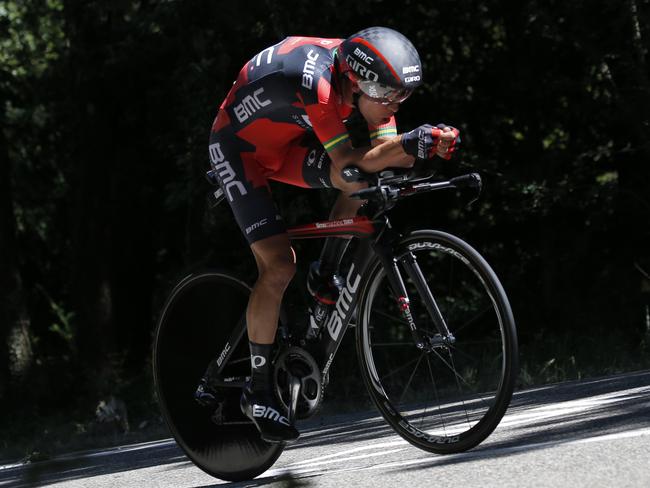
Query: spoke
464	354
474	343
395	371
392	317
408	383
451	358
238	361
435	391
473	319
459	377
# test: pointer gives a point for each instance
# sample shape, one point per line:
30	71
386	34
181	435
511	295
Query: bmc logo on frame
222	356
335	323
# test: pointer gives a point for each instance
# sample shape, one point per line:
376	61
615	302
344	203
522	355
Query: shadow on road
87	466
581	419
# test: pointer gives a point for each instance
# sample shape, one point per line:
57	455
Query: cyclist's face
376	113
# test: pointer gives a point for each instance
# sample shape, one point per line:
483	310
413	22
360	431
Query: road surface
578	434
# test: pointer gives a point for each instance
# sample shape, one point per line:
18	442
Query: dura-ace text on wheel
447	393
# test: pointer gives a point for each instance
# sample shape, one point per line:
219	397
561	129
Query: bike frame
377	239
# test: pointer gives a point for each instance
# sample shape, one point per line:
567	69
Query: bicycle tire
197	320
470	383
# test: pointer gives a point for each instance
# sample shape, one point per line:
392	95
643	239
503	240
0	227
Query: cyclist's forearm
387	154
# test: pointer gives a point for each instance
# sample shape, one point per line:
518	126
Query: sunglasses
383	94
378	92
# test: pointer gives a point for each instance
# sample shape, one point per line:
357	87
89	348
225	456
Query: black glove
423	142
420	142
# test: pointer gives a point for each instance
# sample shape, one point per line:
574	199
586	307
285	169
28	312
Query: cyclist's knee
275	261
277	273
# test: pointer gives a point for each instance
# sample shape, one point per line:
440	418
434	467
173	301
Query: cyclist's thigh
243	182
306	164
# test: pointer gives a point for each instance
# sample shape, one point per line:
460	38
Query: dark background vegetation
105	109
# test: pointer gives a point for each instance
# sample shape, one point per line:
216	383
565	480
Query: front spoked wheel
450	393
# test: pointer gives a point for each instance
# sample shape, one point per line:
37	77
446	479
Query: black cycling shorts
243	175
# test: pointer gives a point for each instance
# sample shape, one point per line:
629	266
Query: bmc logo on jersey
308	69
250	104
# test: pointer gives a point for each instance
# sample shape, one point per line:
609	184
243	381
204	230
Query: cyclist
283	120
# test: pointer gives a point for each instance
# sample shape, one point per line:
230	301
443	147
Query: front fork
410	265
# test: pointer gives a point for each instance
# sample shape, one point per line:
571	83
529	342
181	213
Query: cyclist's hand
420	142
426	141
448	140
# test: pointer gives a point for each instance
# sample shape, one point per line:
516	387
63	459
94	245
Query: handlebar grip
365	193
472	180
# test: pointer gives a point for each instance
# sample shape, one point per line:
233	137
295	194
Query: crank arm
294	392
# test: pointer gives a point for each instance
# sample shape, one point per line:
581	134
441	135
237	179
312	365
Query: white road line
347	452
514	449
545	412
316	471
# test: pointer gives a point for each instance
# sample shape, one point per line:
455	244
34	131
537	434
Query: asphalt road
578	434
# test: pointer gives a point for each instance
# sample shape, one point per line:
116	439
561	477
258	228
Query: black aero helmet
383	62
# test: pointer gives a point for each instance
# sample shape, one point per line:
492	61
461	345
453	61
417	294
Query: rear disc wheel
194	327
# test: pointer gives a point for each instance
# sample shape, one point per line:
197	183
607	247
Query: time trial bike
435	338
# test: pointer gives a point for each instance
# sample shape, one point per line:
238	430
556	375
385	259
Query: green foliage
63	325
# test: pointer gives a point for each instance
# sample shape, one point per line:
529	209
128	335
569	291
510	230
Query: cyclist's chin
377	121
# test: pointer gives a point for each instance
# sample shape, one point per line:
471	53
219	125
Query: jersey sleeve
389	129
320	101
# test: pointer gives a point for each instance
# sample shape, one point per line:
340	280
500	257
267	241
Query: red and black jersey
285	91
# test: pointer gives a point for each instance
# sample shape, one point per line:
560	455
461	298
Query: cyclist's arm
336	141
319	102
386	154
384	133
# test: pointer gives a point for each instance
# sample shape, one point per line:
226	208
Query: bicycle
435	338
